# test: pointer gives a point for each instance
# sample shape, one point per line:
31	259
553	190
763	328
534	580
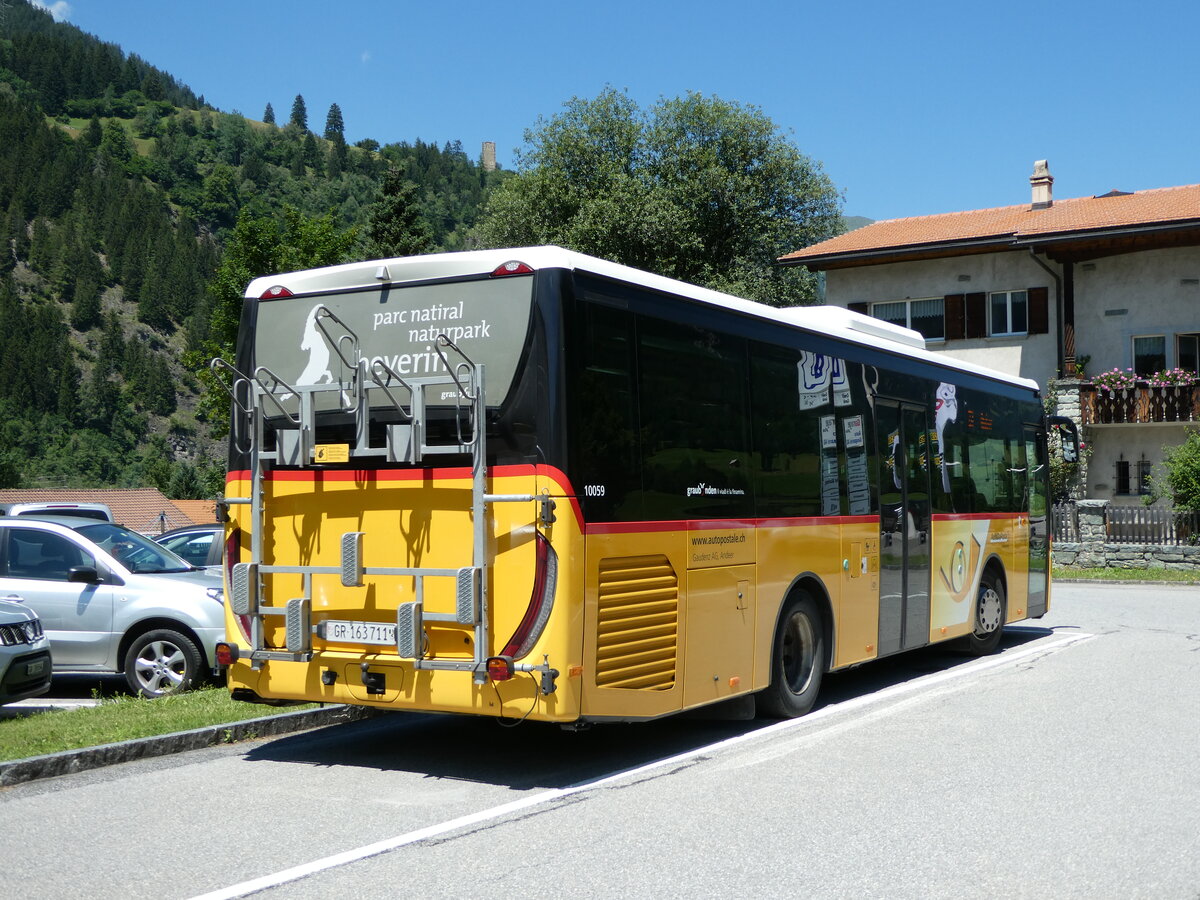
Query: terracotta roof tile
143	509
202	512
1081	214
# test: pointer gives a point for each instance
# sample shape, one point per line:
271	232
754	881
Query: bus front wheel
991	608
797	661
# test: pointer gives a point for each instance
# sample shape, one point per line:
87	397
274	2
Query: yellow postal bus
533	484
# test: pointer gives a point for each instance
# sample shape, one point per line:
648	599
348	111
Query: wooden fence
1148	525
1132	525
1066	522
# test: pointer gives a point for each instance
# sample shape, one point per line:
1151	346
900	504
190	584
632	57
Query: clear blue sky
912	107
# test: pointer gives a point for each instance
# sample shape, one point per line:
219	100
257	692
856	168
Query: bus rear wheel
991	608
797	661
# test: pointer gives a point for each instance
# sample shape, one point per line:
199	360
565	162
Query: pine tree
269	115
85	311
312	155
334	128
299	113
395	225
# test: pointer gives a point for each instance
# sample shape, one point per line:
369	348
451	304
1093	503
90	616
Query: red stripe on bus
976	517
718	524
713	525
317	476
805	521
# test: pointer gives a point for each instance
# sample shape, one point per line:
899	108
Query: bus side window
695	441
786	440
606	416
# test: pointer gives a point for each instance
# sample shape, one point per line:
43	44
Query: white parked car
98	511
24	653
112	600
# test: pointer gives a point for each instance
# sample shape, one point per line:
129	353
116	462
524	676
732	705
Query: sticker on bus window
858	484
830	500
828	433
945	412
814	379
852	428
820	377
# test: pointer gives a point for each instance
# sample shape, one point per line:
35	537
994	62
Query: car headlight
216	593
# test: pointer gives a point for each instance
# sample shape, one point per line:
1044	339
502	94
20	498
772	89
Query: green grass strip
122	718
1159	574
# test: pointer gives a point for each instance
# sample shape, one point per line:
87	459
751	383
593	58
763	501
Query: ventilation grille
638	623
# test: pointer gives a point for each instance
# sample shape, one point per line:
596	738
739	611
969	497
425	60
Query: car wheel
162	662
798	661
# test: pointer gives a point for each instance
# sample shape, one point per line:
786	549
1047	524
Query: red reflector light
512	267
273	293
227	654
233	556
500	668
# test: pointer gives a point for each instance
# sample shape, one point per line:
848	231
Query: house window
1187	352
925	316
1009	312
1143	470
1122	478
1149	354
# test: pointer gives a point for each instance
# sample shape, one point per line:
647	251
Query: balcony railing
1137	405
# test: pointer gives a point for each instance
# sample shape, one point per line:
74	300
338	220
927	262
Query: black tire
987	619
161	662
797	660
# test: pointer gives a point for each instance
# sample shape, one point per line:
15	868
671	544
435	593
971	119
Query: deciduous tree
695	187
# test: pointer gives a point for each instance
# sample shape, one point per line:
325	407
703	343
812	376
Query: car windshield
130	549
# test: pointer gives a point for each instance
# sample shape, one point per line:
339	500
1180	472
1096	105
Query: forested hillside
121	192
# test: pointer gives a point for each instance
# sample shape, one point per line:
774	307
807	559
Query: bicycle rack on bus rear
406	441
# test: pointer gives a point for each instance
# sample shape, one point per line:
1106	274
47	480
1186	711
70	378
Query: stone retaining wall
1126	556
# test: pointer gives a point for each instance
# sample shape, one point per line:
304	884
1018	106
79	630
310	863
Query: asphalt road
1064	766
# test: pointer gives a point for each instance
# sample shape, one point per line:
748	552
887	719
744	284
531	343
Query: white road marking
984	664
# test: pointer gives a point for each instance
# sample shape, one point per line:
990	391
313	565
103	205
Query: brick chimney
1042	183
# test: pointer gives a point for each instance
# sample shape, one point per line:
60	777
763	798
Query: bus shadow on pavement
536	755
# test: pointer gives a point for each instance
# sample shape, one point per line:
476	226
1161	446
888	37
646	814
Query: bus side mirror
1069	435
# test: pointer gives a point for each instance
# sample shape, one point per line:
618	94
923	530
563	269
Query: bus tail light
500	668
541	602
512	267
233	555
227	654
274	293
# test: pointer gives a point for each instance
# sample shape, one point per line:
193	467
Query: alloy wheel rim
160	667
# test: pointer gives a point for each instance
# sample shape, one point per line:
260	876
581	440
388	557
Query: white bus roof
834	321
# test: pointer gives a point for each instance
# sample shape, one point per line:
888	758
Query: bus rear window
488	320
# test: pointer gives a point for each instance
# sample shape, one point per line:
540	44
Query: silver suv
24	653
113	601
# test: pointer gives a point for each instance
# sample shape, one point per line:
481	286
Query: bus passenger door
904	526
1039	519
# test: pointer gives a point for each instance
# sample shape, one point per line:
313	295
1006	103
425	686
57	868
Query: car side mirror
83	575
